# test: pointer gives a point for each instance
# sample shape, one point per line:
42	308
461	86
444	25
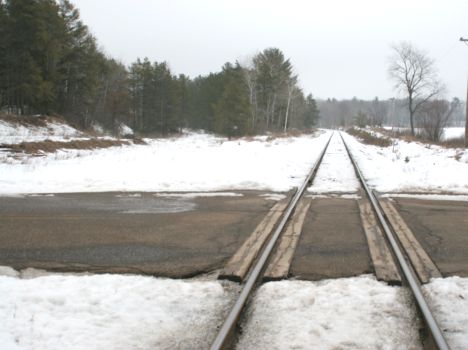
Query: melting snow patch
108	312
273	196
449	303
199	194
434	197
348	313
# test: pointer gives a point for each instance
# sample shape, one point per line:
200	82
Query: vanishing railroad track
254	272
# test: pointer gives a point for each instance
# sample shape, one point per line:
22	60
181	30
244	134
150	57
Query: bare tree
435	116
414	73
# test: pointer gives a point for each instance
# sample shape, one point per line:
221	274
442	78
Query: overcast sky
339	48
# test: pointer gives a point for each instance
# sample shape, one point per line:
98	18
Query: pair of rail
227	330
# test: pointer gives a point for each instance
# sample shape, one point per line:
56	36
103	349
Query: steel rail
405	267
230	323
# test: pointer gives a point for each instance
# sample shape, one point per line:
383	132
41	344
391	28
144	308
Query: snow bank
12	133
336	173
348	313
453	133
195	162
125	130
108	312
410	167
449	303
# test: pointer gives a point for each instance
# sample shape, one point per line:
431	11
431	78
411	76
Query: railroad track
254	262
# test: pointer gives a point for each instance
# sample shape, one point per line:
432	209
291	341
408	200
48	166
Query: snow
411	167
193	163
12	133
430	197
449	132
453	133
125	130
108	312
273	196
348	313
199	194
336	173
448	298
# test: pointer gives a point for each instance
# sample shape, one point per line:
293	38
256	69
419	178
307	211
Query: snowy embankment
449	133
56	311
13	133
412	167
194	162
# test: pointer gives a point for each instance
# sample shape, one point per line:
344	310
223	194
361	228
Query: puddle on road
132	203
154	205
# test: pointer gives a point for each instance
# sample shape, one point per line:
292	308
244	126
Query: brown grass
367	138
405	135
28	120
289	133
49	146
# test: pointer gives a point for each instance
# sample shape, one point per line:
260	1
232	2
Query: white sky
339	48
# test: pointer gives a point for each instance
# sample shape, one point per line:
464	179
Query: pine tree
232	111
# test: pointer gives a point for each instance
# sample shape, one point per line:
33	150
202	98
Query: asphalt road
442	229
114	232
182	237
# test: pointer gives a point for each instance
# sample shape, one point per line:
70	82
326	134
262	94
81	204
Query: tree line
50	63
423	106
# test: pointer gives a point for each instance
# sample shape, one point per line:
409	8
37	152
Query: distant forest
391	112
51	64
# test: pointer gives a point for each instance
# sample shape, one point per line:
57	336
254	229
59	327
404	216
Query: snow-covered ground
453	133
412	167
41	310
194	162
12	133
448	298
448	134
336	173
347	313
125	312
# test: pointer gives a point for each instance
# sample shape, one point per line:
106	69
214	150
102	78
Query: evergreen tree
232	111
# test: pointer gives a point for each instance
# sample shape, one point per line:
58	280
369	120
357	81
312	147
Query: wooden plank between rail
238	266
382	260
280	262
422	263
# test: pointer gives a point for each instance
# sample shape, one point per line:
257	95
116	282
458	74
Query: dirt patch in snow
48	146
29	120
368	138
